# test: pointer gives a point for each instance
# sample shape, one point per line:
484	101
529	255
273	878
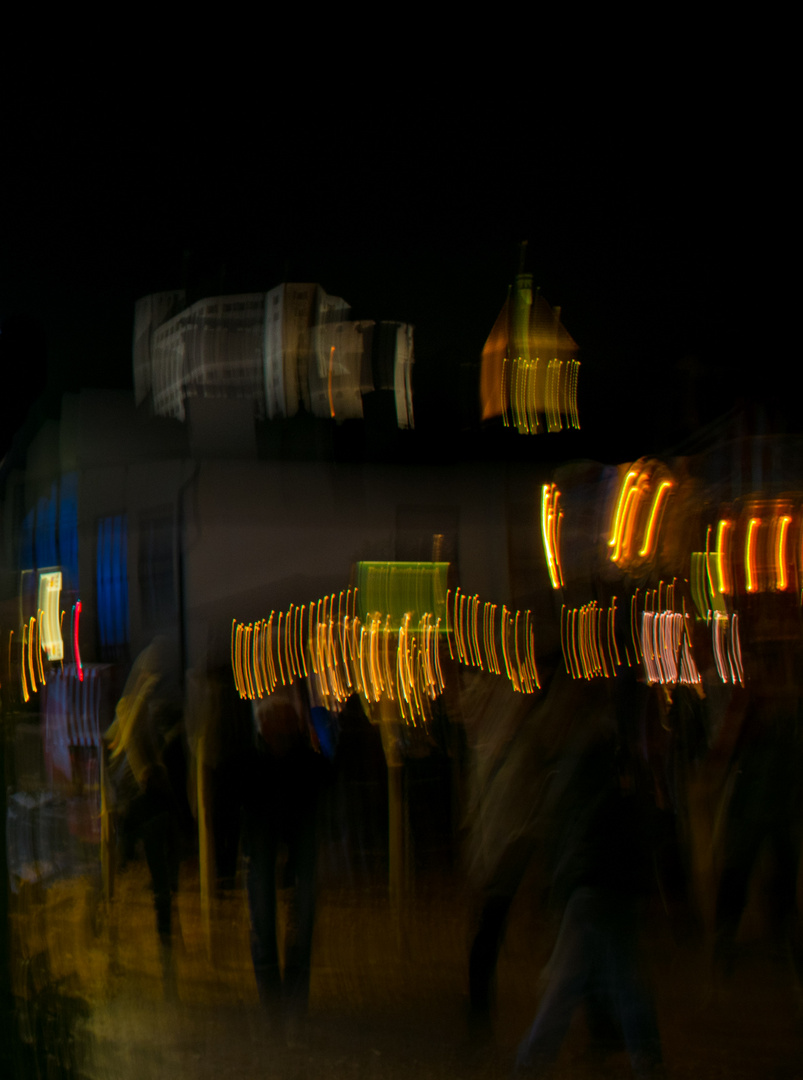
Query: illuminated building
287	350
529	371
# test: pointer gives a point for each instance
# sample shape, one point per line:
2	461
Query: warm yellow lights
23	679
587	640
530	388
550	531
345	654
660	637
666	647
636	512
764	533
378	657
616	529
50	630
386	639
649	535
722	557
529	374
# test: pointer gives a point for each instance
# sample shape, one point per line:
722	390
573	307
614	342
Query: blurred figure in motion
765	809
598	854
512	740
281	784
147	775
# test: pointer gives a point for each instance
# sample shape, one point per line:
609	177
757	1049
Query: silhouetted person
147	767
765	812
599	859
518	780
281	785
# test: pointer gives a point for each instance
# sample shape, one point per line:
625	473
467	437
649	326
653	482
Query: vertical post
106	829
10	1043
398	833
206	853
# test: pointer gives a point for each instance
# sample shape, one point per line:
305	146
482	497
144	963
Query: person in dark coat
281	785
148	779
600	864
765	810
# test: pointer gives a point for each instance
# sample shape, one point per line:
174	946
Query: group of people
614	822
589	778
271	761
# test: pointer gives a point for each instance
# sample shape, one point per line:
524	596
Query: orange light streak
255	660
279	647
441	682
628	522
31	638
386	654
234	665
516	645
574	640
750	571
565	638
362	662
612	632
25	694
600	649
492	622
331	371
475	606
782	578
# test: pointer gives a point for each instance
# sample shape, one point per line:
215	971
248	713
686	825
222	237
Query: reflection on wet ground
388	995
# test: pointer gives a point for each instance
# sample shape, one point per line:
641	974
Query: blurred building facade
289	350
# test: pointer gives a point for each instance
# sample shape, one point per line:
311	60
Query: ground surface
387	998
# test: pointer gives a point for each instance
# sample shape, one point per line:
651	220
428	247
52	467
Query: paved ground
387	999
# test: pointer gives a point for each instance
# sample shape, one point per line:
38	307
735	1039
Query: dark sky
407	201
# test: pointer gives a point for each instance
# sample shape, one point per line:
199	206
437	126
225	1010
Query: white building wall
212	349
341	372
150	312
273	348
403	372
291	312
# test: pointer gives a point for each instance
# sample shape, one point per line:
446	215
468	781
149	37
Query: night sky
642	214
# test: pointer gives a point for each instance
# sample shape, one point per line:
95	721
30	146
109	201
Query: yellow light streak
649	533
40	646
617	518
23	679
708	559
550	532
628	521
723	531
386	655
